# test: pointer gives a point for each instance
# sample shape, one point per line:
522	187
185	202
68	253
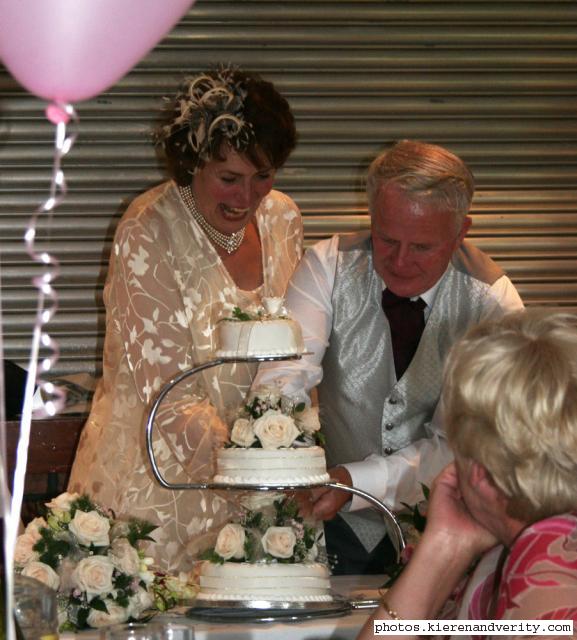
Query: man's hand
326	502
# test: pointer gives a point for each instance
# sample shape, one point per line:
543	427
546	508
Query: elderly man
379	313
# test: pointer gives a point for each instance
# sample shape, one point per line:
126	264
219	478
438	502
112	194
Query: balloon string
47	304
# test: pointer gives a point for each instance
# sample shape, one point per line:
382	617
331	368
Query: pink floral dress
539	576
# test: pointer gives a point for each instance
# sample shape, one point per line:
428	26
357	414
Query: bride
213	237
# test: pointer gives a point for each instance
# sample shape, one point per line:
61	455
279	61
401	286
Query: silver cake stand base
266	610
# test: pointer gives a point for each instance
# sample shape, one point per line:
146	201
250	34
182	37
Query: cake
274	441
263	332
307	582
270	554
259	338
298	466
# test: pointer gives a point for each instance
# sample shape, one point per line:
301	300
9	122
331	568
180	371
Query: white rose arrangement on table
95	565
269	420
276	533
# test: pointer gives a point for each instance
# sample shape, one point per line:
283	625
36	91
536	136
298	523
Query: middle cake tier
292	466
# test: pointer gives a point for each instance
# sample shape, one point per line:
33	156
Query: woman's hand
449	521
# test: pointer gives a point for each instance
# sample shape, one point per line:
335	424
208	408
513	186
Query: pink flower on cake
90	527
242	433
279	541
230	542
43	573
275	430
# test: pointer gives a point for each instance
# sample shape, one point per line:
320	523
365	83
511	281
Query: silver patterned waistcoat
364	409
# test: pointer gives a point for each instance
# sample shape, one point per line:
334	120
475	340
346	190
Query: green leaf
212	556
83	503
121	581
239	314
249	547
98	605
82	617
320	439
426	491
122	599
419	520
139	530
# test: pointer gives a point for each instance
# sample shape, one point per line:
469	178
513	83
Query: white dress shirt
395	478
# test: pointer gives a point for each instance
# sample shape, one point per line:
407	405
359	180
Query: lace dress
165	290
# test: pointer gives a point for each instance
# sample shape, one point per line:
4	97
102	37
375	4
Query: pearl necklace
229	242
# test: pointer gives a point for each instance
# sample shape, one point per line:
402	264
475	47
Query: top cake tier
259	338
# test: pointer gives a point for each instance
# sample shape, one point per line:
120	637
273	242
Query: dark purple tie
407	322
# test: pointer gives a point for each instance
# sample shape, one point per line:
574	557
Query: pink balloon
71	50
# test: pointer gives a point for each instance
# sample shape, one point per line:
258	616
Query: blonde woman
510	404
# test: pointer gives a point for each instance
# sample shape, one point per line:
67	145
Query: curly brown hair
226	107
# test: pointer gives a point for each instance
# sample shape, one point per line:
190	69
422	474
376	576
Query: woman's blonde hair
424	170
510	403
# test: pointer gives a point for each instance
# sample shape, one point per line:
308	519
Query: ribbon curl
53	398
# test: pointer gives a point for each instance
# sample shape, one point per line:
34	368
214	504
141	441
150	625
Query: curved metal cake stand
391	522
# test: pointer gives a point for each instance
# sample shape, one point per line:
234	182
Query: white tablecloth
343	627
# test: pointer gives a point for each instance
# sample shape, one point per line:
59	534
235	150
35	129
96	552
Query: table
344	627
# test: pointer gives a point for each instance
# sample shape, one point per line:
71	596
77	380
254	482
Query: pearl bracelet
393	615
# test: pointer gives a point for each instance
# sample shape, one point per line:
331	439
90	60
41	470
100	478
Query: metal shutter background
494	81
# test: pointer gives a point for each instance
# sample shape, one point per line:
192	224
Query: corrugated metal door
494	81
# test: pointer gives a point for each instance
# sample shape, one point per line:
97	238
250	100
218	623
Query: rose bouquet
270	421
276	533
94	563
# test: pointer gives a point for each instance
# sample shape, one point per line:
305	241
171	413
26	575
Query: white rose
62	502
260	500
308	419
94	575
279	541
140	602
23	552
242	433
34	526
90	527
116	614
230	542
275	430
43	573
124	556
